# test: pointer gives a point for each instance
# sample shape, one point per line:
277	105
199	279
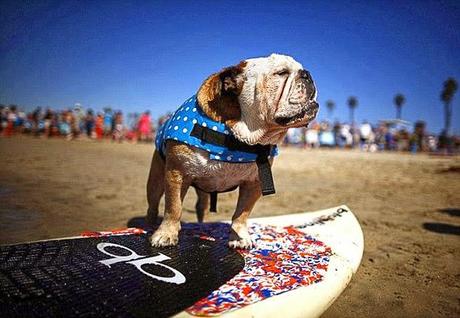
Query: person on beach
47	123
36	121
99	126
89	123
11	118
312	135
145	127
108	122
365	132
118	133
65	124
79	120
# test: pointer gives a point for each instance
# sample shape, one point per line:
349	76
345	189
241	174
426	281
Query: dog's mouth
286	120
304	116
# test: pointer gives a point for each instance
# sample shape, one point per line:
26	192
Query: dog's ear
218	95
231	80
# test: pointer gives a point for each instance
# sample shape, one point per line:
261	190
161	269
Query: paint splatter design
283	259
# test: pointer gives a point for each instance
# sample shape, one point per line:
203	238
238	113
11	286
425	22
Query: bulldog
224	137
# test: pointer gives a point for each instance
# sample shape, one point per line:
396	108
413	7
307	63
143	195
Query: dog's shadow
216	230
141	223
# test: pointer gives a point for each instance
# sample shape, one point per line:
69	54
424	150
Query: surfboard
300	264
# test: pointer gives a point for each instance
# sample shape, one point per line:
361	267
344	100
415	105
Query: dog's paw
239	237
244	243
164	238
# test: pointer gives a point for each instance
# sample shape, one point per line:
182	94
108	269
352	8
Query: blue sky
154	54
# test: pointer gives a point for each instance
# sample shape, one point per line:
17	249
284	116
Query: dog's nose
313	106
305	75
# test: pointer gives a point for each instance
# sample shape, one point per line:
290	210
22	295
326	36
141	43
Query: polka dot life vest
181	124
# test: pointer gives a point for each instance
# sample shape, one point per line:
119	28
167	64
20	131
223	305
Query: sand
408	206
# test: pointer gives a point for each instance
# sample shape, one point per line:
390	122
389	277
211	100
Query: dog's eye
282	73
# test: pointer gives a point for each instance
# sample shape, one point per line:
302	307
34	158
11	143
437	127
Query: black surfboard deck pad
121	276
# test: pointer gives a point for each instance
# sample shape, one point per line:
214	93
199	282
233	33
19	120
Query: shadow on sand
450	211
452	169
442	228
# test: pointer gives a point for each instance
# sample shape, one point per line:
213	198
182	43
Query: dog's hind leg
202	204
155	187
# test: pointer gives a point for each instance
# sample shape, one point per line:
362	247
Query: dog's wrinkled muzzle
307	84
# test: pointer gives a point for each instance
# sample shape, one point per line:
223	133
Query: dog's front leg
175	190
248	195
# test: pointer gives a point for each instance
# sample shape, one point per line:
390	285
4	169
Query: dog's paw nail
242	244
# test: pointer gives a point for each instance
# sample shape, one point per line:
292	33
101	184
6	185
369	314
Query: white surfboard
299	266
336	250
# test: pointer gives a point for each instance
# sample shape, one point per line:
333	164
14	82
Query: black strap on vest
231	143
213	204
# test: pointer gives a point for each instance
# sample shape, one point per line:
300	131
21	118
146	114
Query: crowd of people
75	123
390	135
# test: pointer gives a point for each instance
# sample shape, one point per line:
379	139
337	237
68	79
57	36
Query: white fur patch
257	113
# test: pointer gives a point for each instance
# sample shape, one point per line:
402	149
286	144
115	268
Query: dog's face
261	98
280	90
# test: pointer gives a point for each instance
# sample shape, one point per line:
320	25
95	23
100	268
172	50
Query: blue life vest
180	126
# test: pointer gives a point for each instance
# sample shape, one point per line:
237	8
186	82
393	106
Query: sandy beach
408	206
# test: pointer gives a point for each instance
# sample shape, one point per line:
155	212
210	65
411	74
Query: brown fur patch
176	153
218	95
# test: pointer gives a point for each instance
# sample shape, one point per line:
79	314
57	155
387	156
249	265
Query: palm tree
399	101
330	107
352	104
450	87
